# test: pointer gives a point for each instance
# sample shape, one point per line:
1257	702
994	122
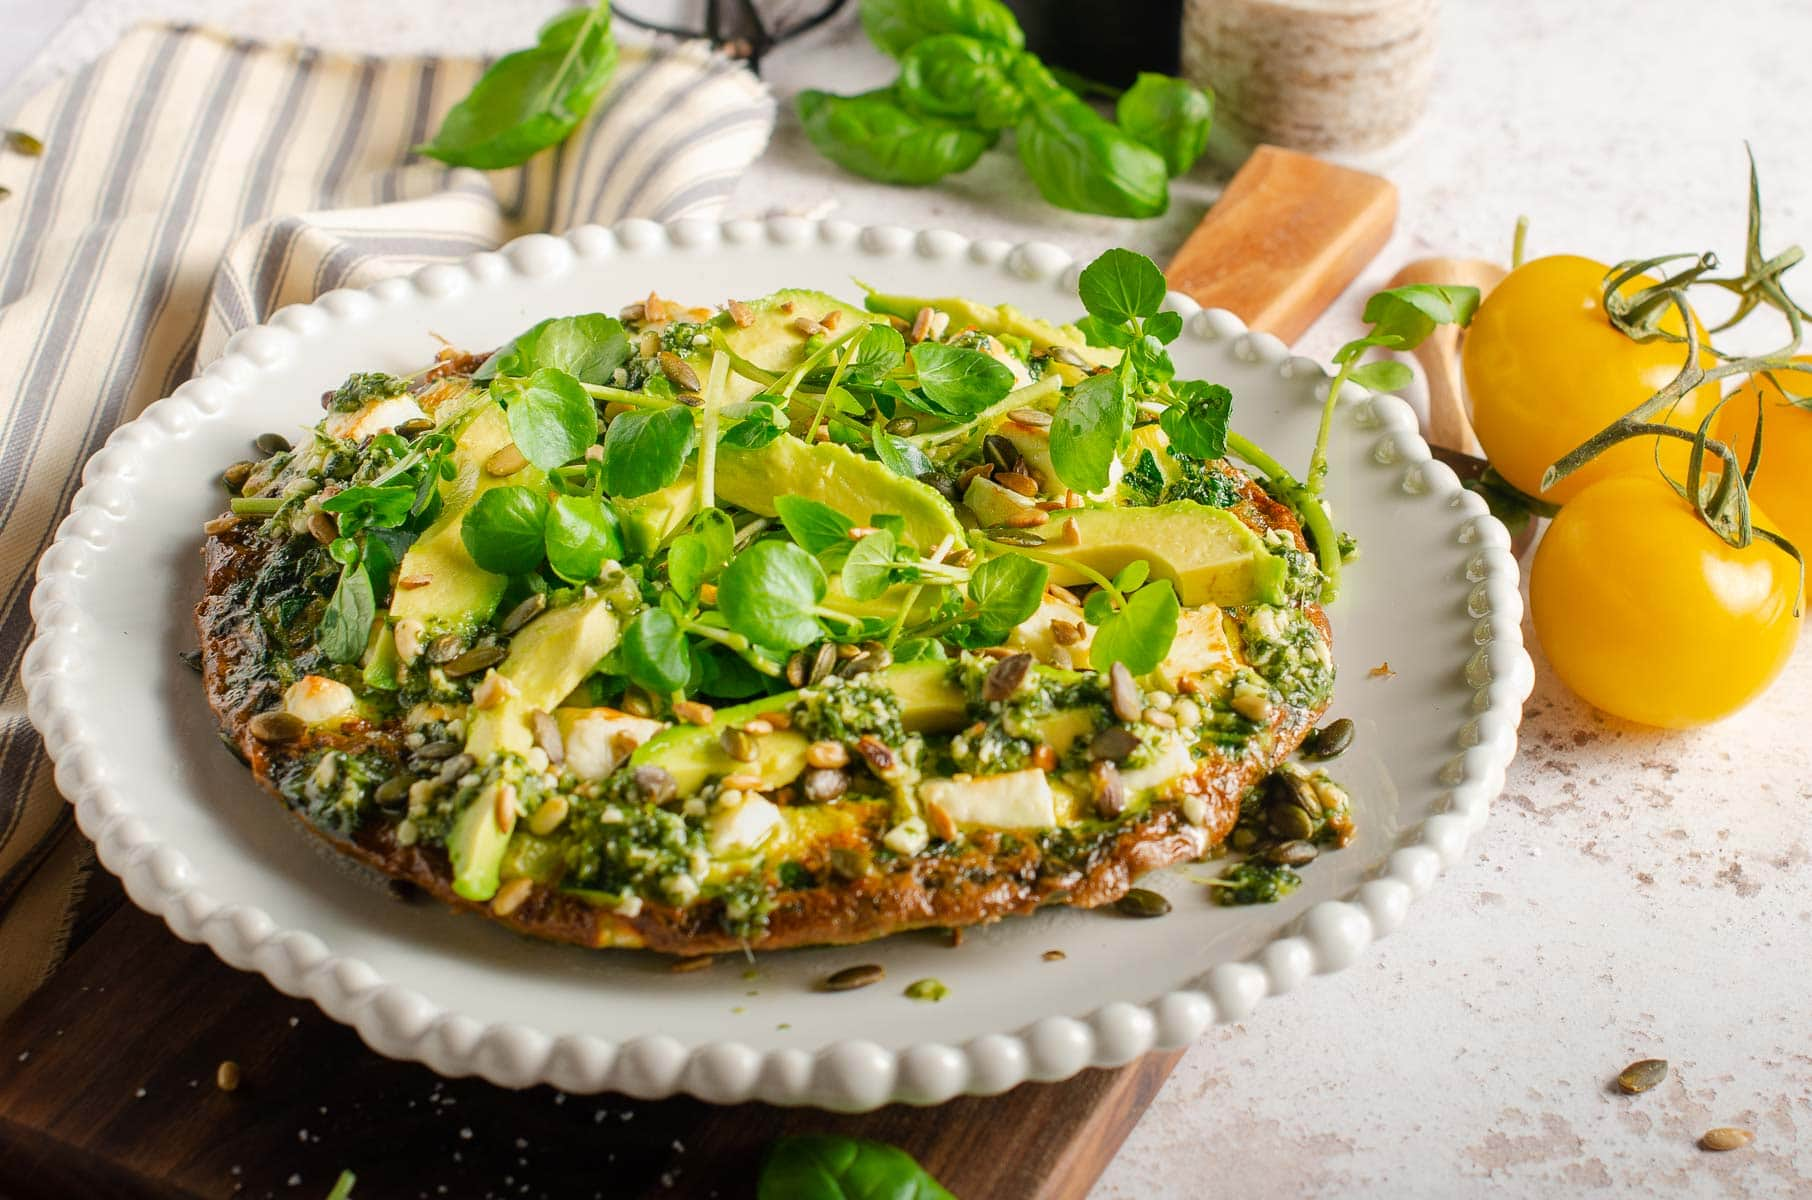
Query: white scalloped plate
1435	595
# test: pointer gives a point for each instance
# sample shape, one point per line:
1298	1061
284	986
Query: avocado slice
648	520
459	593
835	475
929	701
1208	553
1001	320
547	660
772	342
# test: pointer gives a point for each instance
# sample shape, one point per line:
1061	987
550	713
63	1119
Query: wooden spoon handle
1449	420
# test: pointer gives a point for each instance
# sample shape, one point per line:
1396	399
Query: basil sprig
825	1167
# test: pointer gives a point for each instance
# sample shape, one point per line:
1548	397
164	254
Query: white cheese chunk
908	837
317	699
1171	760
1201	644
1033	635
373	418
598	740
1015	800
742	826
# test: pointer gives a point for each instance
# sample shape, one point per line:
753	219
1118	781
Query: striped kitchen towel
191	184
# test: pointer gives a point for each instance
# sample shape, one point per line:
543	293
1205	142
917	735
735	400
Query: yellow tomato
1783	482
1545	370
1649	615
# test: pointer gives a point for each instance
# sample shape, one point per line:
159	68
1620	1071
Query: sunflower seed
656	784
686	966
1142	902
1726	1138
226	1076
1067	633
1113	744
693	713
679	372
796	669
807	326
474	660
505	460
921	325
850	978
323	527
523	613
444	648
636	312
1123	693
738	744
268	444
1109	790
878	754
742	314
1006	677
1330	741
1642	1075
1031	416
278	726
1292	854
1015	481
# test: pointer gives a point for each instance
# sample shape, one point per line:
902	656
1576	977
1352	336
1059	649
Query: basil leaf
646	450
869	569
590	348
345	626
1086	431
581	534
961	78
362	507
1140	634
895	25
1407	315
1170	115
872	136
1006	590
1080	160
1121	286
957	380
767	594
552	418
1145	482
812	523
899	455
1196	423
654	652
1385	375
503	530
827	1167
533	98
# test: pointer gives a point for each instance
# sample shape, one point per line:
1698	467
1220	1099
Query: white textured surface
1636	893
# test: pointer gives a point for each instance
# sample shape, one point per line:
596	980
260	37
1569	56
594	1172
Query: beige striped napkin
193	183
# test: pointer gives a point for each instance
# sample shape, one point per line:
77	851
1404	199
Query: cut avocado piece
1208	553
1001	320
648	520
459	593
476	846
547	660
835	475
929	702
772	342
381	662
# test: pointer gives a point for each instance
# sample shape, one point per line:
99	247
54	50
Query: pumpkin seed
823	663
474	660
236	475
1285	787
393	791
903	426
530	608
547	736
436	751
851	978
861	664
686	966
1016	537
656	784
21	142
1642	1075
277	726
453	768
1292	854
943	485
324	528
1006	677
821	785
738	744
1036	418
190	659
1330	741
1726	1137
679	372
1243	838
1108	788
444	648
1123	694
268	444
1069	357
999	452
505	460
414	427
846	863
1289	822
1142	902
1113	744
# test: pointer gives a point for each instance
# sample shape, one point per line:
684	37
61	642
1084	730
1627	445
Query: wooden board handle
1286	237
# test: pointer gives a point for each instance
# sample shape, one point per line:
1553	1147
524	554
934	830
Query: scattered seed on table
686	966
850	978
1726	1138
1054	956
1142	902
226	1076
1642	1075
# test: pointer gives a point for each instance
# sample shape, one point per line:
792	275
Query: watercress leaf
503	530
1165	326
654	652
1098	607
879	350
551	415
873	136
1170	115
918	650
751	433
828	1167
345	626
1086	430
1385	375
896	25
767	594
581	534
961	78
814	524
1132	575
533	98
868	570
718	530
362	507
1196	423
1006	590
1105	333
899	455
720	672
892	522
589	347
1144	483
957	380
1151	361
1140	634
1411	312
646	450
1121	286
688	563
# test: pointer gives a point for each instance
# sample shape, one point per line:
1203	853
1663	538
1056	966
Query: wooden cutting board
107	1074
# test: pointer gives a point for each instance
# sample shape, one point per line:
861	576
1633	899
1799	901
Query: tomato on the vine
1783	481
1545	370
1647	614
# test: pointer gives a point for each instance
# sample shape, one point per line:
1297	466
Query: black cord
724	34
